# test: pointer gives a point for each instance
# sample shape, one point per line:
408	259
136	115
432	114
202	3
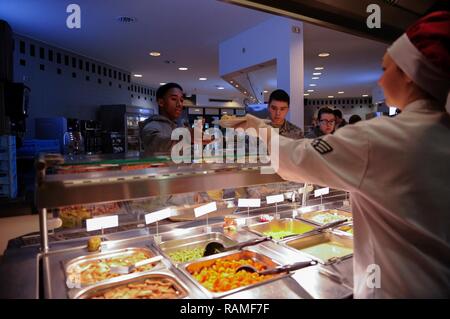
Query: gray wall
58	89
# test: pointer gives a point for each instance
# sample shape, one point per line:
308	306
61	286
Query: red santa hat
423	53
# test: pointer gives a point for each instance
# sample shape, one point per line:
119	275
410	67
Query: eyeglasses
332	122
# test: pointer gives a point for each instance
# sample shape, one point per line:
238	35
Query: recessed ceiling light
341	92
183	69
155	53
162	83
315	78
236	85
231	82
365	95
312	84
137	75
220	88
330	96
310	90
324	54
203	79
317	73
306	94
319	68
265	91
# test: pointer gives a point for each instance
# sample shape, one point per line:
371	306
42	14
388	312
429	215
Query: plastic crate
7	141
33	147
8	190
8	167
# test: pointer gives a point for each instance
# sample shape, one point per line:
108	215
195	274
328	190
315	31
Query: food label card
158	215
321	191
102	222
249	202
205	209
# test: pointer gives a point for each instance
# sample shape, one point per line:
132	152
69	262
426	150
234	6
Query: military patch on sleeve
321	146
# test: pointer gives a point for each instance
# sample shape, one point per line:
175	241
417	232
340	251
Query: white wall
270	40
54	94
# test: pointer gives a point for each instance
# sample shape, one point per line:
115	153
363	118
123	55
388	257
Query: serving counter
64	268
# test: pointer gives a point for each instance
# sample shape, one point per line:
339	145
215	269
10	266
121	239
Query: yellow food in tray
94	271
147	289
221	276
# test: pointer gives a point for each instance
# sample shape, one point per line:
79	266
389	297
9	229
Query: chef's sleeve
338	161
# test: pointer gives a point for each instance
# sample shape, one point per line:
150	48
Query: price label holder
102	223
320	192
205	210
275	199
249	202
155	217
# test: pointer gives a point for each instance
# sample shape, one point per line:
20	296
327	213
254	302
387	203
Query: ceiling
189	32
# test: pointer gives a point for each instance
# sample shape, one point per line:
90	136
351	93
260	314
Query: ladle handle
251	243
288	268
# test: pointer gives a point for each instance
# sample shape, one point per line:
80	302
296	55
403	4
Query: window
74	62
22	47
32	50
58	58
88	66
42	53
80	64
66	60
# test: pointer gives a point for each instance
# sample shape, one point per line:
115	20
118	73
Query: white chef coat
398	173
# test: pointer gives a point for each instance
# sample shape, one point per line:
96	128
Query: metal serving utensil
214	247
127	269
279	269
320	229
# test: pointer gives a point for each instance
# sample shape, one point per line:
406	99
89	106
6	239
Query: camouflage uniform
289	130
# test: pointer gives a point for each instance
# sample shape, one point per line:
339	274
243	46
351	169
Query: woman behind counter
397	170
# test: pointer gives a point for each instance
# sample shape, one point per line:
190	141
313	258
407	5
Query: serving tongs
319	229
130	268
214	247
279	269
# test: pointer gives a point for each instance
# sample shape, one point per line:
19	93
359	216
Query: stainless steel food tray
191	242
95	290
189	268
304	242
286	224
70	266
343	229
308	216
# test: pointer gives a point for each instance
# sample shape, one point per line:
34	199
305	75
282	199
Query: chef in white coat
396	169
